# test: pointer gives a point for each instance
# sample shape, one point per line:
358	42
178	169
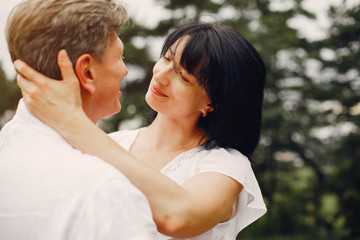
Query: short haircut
233	75
37	29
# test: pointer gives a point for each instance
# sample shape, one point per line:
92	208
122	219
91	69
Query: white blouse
249	205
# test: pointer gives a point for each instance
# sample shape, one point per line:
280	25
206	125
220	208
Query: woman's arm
179	211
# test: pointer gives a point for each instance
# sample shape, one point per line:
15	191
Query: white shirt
249	205
50	191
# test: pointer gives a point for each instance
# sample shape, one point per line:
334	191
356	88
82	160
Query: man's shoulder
30	146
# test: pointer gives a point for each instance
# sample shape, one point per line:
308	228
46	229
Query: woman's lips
157	91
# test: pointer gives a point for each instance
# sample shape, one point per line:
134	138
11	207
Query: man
48	190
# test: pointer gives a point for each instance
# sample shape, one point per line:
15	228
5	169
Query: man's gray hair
37	29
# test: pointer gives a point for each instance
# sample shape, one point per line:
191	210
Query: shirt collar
25	117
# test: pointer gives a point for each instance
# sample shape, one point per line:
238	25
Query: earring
204	114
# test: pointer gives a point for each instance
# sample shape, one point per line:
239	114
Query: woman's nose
162	72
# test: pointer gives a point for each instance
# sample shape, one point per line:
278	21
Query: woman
207	89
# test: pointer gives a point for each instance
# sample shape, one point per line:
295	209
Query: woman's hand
56	103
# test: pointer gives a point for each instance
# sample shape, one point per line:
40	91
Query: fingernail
62	53
17	64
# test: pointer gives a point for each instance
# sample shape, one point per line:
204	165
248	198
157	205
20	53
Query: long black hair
233	75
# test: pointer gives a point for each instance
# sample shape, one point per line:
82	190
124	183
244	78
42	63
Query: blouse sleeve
250	204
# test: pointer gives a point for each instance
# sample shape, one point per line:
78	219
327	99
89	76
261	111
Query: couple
191	164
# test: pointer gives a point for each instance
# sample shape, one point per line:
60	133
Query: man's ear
84	72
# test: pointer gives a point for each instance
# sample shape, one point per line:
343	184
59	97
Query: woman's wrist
74	125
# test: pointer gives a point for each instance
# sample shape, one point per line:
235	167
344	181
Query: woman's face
172	90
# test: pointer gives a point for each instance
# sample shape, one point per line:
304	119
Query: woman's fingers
22	82
46	98
30	93
39	79
29	73
66	66
28	88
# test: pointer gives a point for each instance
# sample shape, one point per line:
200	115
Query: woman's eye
183	78
167	59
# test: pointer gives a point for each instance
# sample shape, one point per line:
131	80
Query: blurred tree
344	88
311	110
9	97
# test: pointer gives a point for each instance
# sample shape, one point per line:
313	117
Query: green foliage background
307	162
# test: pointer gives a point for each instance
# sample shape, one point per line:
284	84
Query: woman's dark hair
233	75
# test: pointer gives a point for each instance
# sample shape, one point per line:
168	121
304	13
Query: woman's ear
84	72
206	110
209	108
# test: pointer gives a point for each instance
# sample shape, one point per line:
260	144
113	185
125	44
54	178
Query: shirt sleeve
115	210
249	205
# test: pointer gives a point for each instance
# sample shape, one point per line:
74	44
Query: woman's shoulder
224	158
124	137
229	162
226	161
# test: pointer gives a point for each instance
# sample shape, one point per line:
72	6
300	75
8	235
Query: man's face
109	75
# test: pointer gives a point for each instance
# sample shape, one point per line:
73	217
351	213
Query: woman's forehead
178	47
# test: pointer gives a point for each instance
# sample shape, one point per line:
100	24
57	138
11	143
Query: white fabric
50	191
249	205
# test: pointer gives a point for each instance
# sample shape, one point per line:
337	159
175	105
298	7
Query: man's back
48	190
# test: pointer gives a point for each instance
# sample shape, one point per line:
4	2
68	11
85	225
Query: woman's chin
149	100
153	106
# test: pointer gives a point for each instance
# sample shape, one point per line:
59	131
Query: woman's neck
167	135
